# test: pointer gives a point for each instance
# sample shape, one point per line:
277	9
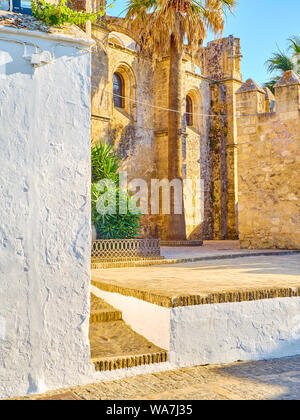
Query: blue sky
261	24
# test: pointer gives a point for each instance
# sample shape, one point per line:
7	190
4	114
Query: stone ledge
105	316
166	261
102	311
234	296
125	362
181	243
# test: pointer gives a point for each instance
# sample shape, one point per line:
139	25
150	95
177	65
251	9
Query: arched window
118	90
189	111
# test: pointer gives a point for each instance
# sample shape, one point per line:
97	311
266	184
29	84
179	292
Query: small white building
44	206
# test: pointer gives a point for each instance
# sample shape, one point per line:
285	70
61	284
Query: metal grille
124	248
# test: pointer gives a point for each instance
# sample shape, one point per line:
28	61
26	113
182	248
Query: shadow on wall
122	135
99	77
196	234
14	59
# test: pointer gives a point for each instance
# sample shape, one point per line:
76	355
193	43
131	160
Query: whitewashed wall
218	333
44	214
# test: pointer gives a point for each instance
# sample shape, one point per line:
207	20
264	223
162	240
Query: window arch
189	111
118	90
124	90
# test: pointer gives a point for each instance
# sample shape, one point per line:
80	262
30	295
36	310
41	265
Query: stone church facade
136	121
224	143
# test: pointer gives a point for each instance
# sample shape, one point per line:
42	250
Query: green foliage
105	165
281	61
60	14
115	226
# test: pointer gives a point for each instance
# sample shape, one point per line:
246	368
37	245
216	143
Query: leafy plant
282	61
105	163
113	225
60	14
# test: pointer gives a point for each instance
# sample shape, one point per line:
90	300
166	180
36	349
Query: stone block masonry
269	165
139	130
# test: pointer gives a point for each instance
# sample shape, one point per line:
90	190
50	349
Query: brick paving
102	311
115	345
264	380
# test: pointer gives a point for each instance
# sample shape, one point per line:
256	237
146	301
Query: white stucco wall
229	332
218	333
44	214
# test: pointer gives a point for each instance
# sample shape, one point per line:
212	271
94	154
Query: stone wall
45	213
221	62
139	132
269	165
131	129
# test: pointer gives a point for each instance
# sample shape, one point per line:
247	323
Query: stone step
97	260
133	263
114	345
102	311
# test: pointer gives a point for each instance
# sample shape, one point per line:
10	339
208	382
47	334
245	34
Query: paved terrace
251	277
264	380
215	250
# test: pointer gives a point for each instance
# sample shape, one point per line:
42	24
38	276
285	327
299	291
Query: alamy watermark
154	197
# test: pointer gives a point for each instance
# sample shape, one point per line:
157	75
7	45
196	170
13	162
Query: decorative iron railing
125	248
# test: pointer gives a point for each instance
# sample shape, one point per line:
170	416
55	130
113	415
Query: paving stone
271	380
114	345
102	311
206	282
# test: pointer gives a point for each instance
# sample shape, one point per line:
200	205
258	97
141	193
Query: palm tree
169	28
295	49
282	61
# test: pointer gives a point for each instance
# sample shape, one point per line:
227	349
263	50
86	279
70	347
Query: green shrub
60	14
105	165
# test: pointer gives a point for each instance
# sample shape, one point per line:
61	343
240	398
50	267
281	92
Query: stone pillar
222	64
250	99
287	92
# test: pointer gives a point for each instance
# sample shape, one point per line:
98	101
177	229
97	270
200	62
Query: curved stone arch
114	38
197	102
116	25
130	87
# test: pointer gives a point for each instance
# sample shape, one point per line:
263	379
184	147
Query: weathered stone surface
289	78
269	166
139	131
250	86
269	94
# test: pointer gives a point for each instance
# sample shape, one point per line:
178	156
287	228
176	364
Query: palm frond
154	22
280	61
271	83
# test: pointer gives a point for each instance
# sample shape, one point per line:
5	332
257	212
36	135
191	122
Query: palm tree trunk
176	222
